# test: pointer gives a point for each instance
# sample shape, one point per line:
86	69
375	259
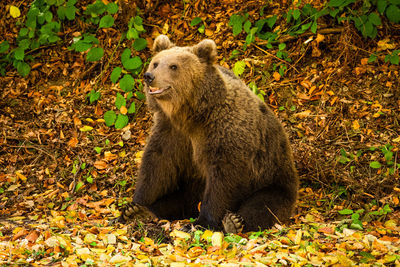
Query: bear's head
174	73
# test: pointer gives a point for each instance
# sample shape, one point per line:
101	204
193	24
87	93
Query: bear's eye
155	64
173	67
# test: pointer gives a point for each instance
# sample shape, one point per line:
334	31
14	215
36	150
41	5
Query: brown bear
214	142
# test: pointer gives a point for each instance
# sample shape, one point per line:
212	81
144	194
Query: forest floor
64	173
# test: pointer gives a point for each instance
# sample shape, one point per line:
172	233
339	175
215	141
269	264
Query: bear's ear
162	42
206	50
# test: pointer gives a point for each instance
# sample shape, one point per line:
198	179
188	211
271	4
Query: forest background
74	123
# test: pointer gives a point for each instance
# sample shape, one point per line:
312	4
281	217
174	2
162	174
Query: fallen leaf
86	128
303	114
276	76
73	142
21	176
123	110
356	125
32	236
15	12
100	165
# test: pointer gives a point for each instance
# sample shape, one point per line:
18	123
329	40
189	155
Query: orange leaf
356	125
98	111
100	165
32	236
364	61
123	110
306	84
319	38
77	121
20	233
108	156
276	76
208	32
73	142
195	252
21	176
326	230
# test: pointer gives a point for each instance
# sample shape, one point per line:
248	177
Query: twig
288	38
37	148
276	218
77	168
108	63
268	53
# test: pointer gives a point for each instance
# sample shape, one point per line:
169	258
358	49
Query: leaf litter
64	173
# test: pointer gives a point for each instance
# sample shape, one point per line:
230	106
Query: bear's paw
233	223
133	211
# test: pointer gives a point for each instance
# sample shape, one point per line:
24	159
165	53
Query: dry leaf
319	38
356	125
123	110
100	165
276	76
73	142
77	122
303	114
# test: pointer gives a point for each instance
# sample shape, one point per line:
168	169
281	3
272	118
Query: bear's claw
137	212
233	223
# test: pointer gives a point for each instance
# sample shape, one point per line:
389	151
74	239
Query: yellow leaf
14	12
86	128
139	154
396	140
206	235
165	28
356	125
330	93
216	239
297	238
180	234
21	176
386	44
376	115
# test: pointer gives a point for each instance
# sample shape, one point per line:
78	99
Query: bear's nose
148	77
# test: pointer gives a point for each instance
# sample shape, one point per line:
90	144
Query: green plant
239	67
354	222
135	28
131	67
348	158
390	163
197	21
260	93
393	57
366	19
39	29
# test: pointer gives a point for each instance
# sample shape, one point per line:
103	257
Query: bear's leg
266	207
181	204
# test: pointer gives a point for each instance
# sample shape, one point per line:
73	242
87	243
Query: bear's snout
148	77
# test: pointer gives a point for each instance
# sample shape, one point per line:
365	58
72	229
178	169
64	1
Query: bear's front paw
136	212
233	223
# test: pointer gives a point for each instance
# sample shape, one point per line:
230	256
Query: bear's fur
214	142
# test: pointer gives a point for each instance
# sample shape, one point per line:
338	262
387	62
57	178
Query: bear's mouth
157	90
